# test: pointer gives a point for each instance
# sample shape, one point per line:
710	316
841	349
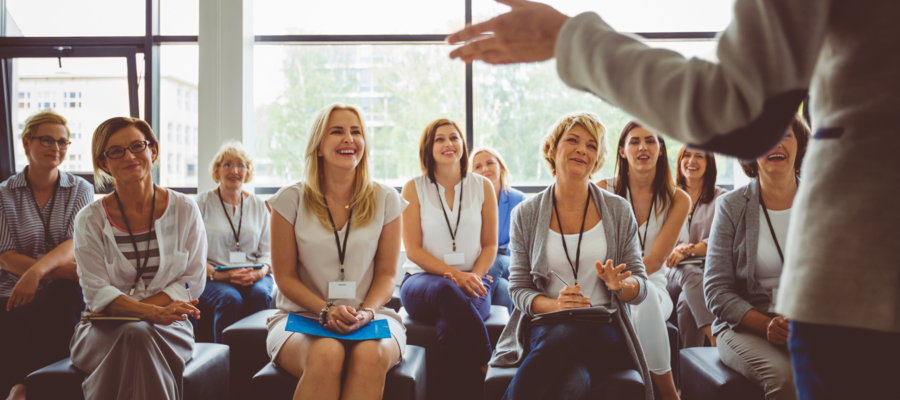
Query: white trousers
649	320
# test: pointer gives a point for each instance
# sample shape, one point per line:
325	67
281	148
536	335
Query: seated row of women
151	253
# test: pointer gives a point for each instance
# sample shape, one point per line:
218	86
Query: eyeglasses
134	148
239	167
48	141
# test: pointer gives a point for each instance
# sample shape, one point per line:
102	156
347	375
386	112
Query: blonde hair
231	149
44	117
590	121
363	198
504	172
101	137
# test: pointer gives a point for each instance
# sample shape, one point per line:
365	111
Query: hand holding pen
570	296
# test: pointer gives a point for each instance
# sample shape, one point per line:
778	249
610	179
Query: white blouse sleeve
393	205
190	285
92	272
287	202
265	241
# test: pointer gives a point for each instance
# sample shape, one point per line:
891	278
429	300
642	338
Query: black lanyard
49	243
691	218
643	240
337	239
140	268
458	210
771	229
237	233
562	235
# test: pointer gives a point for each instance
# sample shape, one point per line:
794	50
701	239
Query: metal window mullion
470	95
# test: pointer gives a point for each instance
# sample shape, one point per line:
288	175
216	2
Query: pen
564	281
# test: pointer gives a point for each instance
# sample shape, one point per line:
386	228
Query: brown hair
101	137
801	132
709	176
590	121
663	187
426	145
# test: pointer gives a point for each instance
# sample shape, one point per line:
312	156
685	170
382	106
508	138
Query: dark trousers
223	304
38	334
461	334
565	357
834	362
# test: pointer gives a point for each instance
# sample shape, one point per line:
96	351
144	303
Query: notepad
590	314
377	329
697	260
236	266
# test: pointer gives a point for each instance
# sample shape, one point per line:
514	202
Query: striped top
126	247
21	228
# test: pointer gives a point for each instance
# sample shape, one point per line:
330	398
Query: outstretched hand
613	277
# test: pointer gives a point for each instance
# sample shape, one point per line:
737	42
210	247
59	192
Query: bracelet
618	292
371	310
324	312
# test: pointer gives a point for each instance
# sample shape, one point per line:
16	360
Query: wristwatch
617	292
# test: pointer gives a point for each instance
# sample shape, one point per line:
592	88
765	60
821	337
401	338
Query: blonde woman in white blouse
141	253
337	200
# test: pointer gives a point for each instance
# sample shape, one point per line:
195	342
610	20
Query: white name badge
455	258
341	290
774	299
237	257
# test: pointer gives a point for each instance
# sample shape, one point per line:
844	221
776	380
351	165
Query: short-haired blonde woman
237	230
39	293
337	225
586	236
488	163
450	236
141	252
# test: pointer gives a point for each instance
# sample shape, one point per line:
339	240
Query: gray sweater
529	275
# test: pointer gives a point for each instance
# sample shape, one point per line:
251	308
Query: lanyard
691	218
49	244
458	210
643	240
580	234
140	268
342	251
771	229
237	233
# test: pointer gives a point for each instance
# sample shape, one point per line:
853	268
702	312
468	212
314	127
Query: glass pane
357	17
517	105
178	96
636	15
86	91
179	17
76	18
400	88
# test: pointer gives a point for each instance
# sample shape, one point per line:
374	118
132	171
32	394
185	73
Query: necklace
339	203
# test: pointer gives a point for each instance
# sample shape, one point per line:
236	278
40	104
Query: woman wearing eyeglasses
237	231
39	293
141	253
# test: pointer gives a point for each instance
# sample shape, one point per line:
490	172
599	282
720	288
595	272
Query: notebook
377	329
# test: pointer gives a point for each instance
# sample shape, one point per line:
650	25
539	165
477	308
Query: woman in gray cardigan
587	237
743	267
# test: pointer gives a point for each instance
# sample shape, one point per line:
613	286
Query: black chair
625	385
205	377
247	339
707	378
406	381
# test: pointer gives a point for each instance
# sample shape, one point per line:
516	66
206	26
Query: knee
137	333
325	358
370	358
230	301
261	294
559	337
448	291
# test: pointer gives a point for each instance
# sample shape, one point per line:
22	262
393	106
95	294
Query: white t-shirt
768	262
593	249
648	231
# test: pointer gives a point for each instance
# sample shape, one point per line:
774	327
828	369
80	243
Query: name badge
341	290
237	257
774	299
455	258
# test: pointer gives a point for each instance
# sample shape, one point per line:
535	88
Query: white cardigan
106	274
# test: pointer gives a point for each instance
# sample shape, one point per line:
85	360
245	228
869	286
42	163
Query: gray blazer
529	275
729	281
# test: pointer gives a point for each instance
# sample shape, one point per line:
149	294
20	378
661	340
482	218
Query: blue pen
188	287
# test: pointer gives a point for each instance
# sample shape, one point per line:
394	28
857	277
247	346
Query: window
356	17
73	18
179	66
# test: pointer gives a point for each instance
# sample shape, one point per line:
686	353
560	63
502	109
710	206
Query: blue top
508	200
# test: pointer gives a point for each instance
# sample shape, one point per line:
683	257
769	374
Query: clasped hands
681	252
177	310
469	283
572	296
345	319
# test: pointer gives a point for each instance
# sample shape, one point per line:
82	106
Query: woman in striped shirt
39	293
141	253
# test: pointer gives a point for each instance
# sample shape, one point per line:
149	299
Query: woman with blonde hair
488	163
237	230
39	293
337	226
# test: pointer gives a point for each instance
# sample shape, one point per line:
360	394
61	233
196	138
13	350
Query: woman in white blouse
141	253
237	229
340	203
450	236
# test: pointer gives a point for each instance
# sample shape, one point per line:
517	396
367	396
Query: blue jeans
228	303
834	362
566	357
500	286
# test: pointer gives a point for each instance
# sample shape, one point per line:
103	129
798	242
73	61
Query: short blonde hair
504	172
101	137
590	121
231	149
47	116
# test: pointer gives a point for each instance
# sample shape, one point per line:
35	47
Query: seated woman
141	253
743	266
697	177
450	236
39	294
488	163
660	209
586	237
314	248
237	230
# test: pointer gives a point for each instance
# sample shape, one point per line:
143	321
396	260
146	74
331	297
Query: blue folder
377	329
